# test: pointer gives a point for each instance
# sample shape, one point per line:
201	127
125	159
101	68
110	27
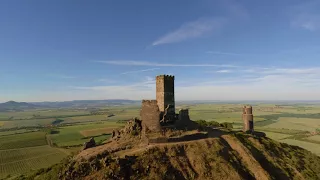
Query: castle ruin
247	118
161	112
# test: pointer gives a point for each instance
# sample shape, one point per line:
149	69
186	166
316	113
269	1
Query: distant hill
86	103
21	106
17	106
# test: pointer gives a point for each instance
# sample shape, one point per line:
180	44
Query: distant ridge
16	106
86	103
20	106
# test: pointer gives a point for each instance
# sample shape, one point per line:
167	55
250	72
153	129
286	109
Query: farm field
22	140
73	135
24	160
277	136
20	131
41	113
26	123
304	124
96	132
315	138
306	145
25	152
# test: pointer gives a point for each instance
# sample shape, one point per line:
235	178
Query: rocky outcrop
91	143
132	128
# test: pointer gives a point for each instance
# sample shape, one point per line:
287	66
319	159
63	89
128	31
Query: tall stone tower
165	94
247	118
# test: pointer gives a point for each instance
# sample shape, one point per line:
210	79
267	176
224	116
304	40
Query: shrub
226	125
213	123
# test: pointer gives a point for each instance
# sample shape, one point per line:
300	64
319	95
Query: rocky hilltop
210	153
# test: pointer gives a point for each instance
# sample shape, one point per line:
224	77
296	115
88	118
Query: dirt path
247	158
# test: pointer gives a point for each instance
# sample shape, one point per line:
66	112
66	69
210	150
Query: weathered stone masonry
159	113
184	115
247	118
165	93
150	115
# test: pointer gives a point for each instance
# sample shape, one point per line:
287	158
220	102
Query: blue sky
217	49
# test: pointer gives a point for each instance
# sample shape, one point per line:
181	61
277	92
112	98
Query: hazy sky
217	49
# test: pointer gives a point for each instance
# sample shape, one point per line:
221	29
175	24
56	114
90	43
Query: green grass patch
315	148
19	131
314	138
22	140
97	132
27	123
304	124
71	135
277	136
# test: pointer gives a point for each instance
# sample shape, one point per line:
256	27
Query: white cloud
191	30
61	76
233	8
155	64
306	15
143	70
223	53
105	80
261	83
309	22
224	71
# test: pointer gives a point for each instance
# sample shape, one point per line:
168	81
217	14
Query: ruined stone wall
184	115
150	116
165	92
247	118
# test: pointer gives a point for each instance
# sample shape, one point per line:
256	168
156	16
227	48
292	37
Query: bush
213	123
204	123
226	125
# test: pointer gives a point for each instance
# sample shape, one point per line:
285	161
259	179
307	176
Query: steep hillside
225	156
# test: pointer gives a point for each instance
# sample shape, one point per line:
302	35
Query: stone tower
247	118
165	93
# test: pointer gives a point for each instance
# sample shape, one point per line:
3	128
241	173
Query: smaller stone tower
247	118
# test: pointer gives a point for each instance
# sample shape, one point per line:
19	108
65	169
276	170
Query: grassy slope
228	157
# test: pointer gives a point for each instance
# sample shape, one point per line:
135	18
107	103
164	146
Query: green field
25	160
39	113
22	153
97	131
20	131
315	138
304	124
71	135
277	136
22	140
315	148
